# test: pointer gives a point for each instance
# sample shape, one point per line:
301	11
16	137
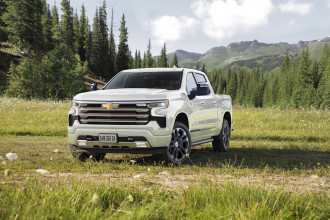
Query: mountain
249	54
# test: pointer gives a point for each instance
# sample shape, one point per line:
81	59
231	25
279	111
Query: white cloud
294	7
292	22
225	18
170	28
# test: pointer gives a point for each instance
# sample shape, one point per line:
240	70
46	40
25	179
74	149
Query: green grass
35	199
277	168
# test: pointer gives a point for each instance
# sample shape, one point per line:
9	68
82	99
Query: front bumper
154	136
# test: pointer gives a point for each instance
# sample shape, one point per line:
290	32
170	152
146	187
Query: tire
82	156
180	146
220	143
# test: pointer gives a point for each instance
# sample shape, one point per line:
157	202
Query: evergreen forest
60	47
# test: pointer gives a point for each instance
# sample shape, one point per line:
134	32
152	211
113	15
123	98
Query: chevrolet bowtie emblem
109	106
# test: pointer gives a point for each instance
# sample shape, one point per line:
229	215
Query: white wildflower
95	199
42	171
55	151
164	173
2	158
130	198
132	161
137	176
315	176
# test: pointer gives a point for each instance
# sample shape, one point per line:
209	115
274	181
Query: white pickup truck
150	111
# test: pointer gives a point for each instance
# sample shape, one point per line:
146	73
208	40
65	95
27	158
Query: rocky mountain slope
249	54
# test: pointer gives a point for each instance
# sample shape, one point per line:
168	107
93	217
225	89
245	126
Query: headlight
163	104
72	111
75	104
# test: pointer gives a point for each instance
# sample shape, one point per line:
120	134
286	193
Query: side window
199	78
191	83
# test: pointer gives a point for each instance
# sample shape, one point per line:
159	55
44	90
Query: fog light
140	144
82	142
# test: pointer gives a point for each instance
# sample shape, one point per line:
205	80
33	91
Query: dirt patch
176	181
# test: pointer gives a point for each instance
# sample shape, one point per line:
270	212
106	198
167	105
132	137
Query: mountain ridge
248	54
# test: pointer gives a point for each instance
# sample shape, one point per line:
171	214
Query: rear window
199	78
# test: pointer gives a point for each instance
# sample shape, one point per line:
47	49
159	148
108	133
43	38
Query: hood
123	95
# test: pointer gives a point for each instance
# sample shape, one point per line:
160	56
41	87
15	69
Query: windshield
148	80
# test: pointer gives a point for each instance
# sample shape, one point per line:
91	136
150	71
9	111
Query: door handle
202	102
214	102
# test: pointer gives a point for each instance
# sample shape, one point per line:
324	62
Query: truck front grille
123	114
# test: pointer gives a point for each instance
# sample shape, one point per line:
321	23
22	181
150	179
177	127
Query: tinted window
191	83
150	80
199	78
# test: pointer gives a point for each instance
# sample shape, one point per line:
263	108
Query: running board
201	142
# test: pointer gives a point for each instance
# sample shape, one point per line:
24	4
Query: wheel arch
183	118
227	116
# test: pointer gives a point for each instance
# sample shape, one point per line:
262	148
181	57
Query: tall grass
35	199
48	118
33	117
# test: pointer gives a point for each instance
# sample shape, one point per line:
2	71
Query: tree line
63	48
300	83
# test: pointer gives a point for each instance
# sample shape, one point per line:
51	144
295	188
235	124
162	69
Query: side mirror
202	89
93	86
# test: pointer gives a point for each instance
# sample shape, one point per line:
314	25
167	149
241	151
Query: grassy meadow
277	168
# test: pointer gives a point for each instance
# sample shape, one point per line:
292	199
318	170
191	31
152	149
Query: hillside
10	53
249	54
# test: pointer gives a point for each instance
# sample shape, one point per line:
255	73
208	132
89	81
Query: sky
199	25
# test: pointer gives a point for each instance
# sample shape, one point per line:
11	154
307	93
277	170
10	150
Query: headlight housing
161	104
74	104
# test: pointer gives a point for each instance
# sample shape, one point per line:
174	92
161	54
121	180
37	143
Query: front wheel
220	143
179	149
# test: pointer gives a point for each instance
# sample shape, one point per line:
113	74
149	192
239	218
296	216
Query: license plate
108	138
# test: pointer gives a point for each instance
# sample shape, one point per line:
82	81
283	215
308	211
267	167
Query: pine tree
47	28
174	61
112	50
104	43
197	66
76	31
123	56
56	29
23	21
204	68
66	24
270	93
95	45
143	63
163	59
285	83
83	35
138	61
148	61
303	80
323	90
232	85
3	32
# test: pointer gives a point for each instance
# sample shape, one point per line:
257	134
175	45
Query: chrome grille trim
126	113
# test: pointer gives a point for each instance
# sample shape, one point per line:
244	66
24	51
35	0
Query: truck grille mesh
123	114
